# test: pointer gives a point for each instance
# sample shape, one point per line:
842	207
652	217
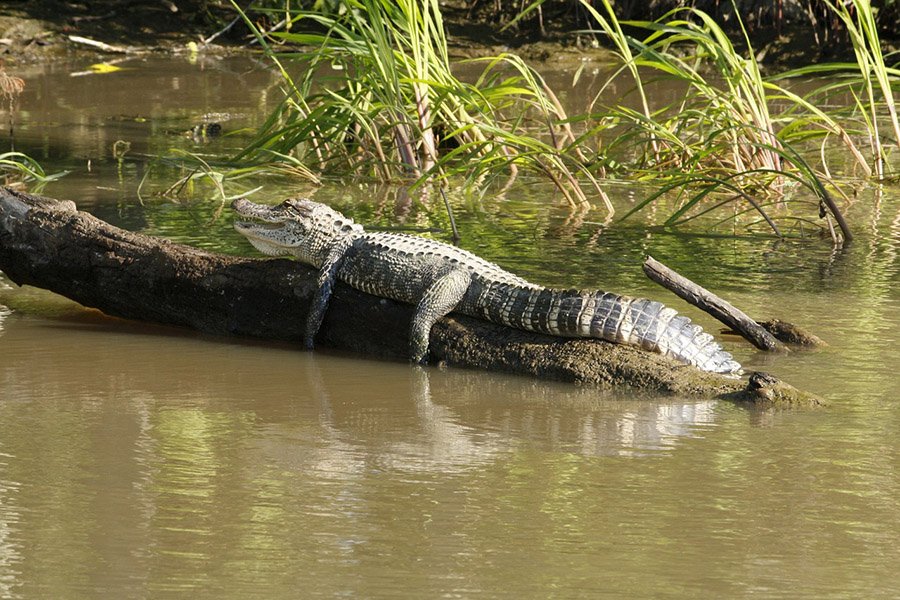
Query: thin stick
228	27
449	208
829	202
704	299
99	45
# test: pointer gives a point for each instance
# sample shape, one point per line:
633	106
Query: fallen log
49	244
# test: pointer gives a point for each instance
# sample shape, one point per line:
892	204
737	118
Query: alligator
439	278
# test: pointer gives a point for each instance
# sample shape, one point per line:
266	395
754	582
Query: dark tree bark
47	243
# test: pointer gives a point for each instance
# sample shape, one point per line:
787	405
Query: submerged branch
792	334
828	201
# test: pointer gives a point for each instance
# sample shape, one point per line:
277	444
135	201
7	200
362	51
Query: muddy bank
784	33
39	29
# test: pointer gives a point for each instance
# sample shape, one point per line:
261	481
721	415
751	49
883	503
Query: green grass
370	93
377	98
16	167
869	82
738	136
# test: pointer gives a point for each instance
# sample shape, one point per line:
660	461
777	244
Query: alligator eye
298	206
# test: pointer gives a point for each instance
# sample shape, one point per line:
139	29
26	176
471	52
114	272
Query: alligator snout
242	205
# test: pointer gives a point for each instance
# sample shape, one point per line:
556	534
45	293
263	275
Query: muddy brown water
140	461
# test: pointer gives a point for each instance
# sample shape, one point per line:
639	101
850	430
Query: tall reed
10	89
378	98
722	137
870	82
725	94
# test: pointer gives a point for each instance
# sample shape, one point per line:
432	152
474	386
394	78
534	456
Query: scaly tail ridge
653	326
621	319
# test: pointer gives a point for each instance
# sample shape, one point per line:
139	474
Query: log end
467	342
766	390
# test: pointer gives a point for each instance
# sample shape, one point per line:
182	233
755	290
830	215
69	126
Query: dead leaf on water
104	68
99	69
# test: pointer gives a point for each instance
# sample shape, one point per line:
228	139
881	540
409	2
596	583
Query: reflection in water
155	459
5	288
139	458
9	517
10	521
183	460
452	407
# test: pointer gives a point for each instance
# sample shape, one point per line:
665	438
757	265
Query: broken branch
705	300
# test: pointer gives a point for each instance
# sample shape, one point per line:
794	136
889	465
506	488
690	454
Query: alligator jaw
257	212
249	226
260	230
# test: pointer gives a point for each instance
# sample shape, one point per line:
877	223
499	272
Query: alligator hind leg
438	300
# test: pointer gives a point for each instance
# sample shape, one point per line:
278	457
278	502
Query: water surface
142	461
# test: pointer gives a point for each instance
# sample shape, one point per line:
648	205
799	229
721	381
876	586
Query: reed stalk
10	89
859	20
378	98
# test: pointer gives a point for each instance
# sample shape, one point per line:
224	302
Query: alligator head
296	227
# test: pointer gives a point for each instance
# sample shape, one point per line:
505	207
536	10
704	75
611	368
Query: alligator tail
604	315
656	327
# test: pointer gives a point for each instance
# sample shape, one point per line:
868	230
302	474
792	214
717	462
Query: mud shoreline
39	30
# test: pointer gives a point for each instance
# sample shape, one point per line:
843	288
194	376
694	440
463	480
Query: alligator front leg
439	299
325	285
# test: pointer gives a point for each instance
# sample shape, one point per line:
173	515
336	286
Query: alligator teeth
256	225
